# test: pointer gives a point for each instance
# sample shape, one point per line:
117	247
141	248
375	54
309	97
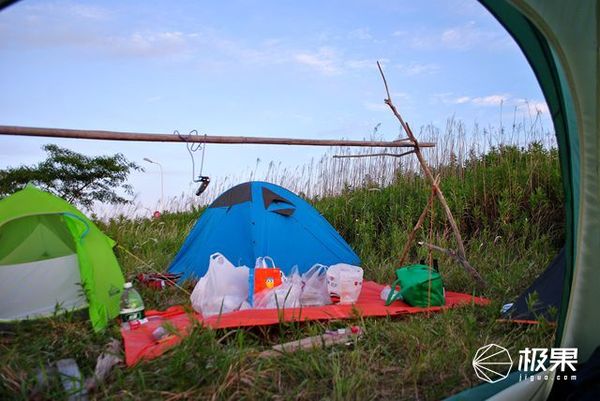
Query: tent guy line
147	137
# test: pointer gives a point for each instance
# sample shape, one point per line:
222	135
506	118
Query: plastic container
344	281
132	306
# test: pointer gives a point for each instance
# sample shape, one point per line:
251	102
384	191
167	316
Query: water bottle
132	306
385	293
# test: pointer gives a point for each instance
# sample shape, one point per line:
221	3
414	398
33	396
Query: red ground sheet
140	344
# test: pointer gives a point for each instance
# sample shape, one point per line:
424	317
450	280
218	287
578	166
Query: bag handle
319	268
393	295
272	262
261	262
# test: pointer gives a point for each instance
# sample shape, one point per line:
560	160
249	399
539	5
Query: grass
508	201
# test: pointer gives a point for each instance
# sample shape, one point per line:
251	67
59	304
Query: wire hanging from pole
193	147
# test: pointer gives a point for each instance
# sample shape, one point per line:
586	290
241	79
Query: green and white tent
54	259
560	39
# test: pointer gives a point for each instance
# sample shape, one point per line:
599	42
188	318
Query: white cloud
72	26
90	12
149	44
462	99
153	99
491	100
418	68
372	106
330	61
460	37
464	36
68	9
76	26
362	64
540	106
360	34
324	60
495	100
400	95
532	106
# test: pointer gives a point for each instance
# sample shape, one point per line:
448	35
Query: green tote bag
420	285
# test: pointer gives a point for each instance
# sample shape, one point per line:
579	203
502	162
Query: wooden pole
146	137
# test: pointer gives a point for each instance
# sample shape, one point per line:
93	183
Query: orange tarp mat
140	344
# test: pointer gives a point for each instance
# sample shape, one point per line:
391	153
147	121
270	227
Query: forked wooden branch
438	192
456	256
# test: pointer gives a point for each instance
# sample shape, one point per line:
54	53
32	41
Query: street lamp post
162	186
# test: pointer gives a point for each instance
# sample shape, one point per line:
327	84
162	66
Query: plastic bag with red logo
286	295
265	276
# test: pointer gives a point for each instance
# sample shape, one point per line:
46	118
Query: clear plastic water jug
132	305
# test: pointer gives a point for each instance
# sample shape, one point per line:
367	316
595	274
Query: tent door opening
39	268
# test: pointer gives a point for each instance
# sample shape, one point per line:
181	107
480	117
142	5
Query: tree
77	178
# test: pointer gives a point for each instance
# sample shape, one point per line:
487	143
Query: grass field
509	205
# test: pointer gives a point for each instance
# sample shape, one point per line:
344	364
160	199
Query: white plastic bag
345	281
286	295
314	289
224	287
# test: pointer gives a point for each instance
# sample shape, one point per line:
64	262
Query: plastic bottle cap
127	285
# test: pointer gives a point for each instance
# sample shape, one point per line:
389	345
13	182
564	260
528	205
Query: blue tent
260	219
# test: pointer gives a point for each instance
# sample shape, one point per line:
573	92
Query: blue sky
262	68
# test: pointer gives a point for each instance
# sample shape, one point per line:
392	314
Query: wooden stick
459	258
431	224
146	137
412	234
374	155
324	340
429	174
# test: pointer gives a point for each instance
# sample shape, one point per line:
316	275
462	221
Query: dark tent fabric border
543	297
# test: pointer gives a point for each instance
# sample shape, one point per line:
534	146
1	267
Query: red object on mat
140	343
